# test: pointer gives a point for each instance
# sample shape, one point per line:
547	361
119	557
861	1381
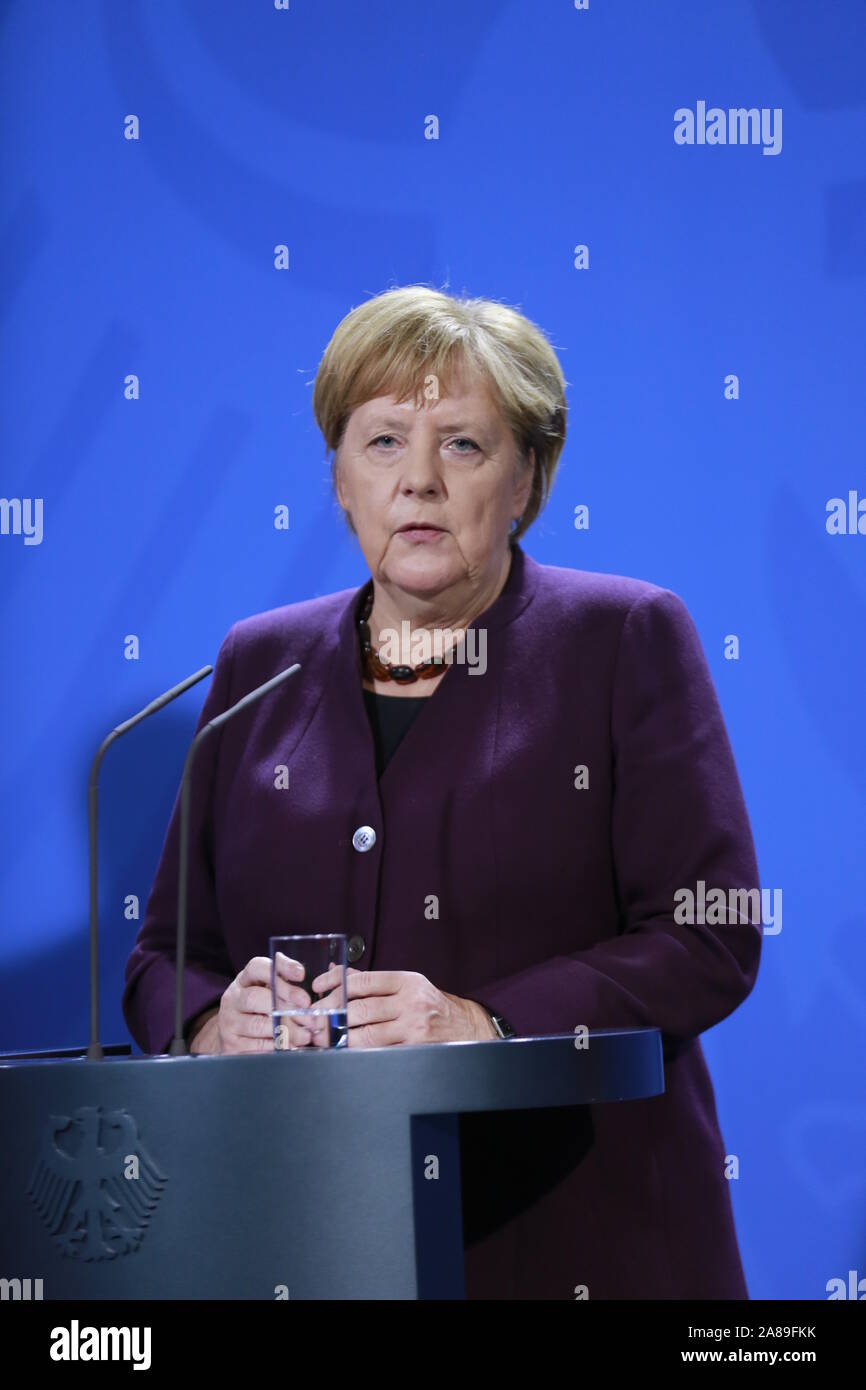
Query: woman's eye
385	441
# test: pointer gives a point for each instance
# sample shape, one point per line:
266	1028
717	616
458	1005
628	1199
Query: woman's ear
340	494
338	481
525	479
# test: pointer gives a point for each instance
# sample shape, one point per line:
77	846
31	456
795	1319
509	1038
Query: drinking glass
302	1017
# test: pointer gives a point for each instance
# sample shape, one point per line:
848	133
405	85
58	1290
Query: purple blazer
556	900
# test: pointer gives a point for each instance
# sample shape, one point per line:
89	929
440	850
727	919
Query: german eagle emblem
94	1184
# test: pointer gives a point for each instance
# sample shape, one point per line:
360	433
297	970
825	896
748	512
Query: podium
300	1175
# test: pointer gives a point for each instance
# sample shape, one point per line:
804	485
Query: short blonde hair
390	344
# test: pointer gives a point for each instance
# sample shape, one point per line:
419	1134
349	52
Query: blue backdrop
707	302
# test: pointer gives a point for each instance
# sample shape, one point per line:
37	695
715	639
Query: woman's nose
421	472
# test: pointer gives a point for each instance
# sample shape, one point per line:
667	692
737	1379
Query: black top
390	717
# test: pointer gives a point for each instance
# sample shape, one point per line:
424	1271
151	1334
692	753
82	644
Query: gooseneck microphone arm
178	1047
94	1050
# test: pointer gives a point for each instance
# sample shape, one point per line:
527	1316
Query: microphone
94	1050
177	1046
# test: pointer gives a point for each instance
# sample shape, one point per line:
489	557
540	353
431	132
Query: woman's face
447	468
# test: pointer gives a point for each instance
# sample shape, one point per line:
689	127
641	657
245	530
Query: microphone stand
95	1051
177	1046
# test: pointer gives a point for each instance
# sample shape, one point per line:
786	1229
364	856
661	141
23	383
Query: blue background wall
306	127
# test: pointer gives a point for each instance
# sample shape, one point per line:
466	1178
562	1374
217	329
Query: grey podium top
440	1078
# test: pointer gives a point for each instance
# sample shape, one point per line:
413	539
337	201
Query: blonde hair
390	344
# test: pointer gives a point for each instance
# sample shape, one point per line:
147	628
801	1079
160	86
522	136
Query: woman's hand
387	1007
244	1020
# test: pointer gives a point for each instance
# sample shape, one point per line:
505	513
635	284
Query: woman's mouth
421	533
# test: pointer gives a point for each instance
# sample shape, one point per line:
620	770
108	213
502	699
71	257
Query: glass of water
302	1016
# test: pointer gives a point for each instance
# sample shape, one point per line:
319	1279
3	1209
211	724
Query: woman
502	839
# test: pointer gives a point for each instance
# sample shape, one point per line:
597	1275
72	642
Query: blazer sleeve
677	816
148	997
